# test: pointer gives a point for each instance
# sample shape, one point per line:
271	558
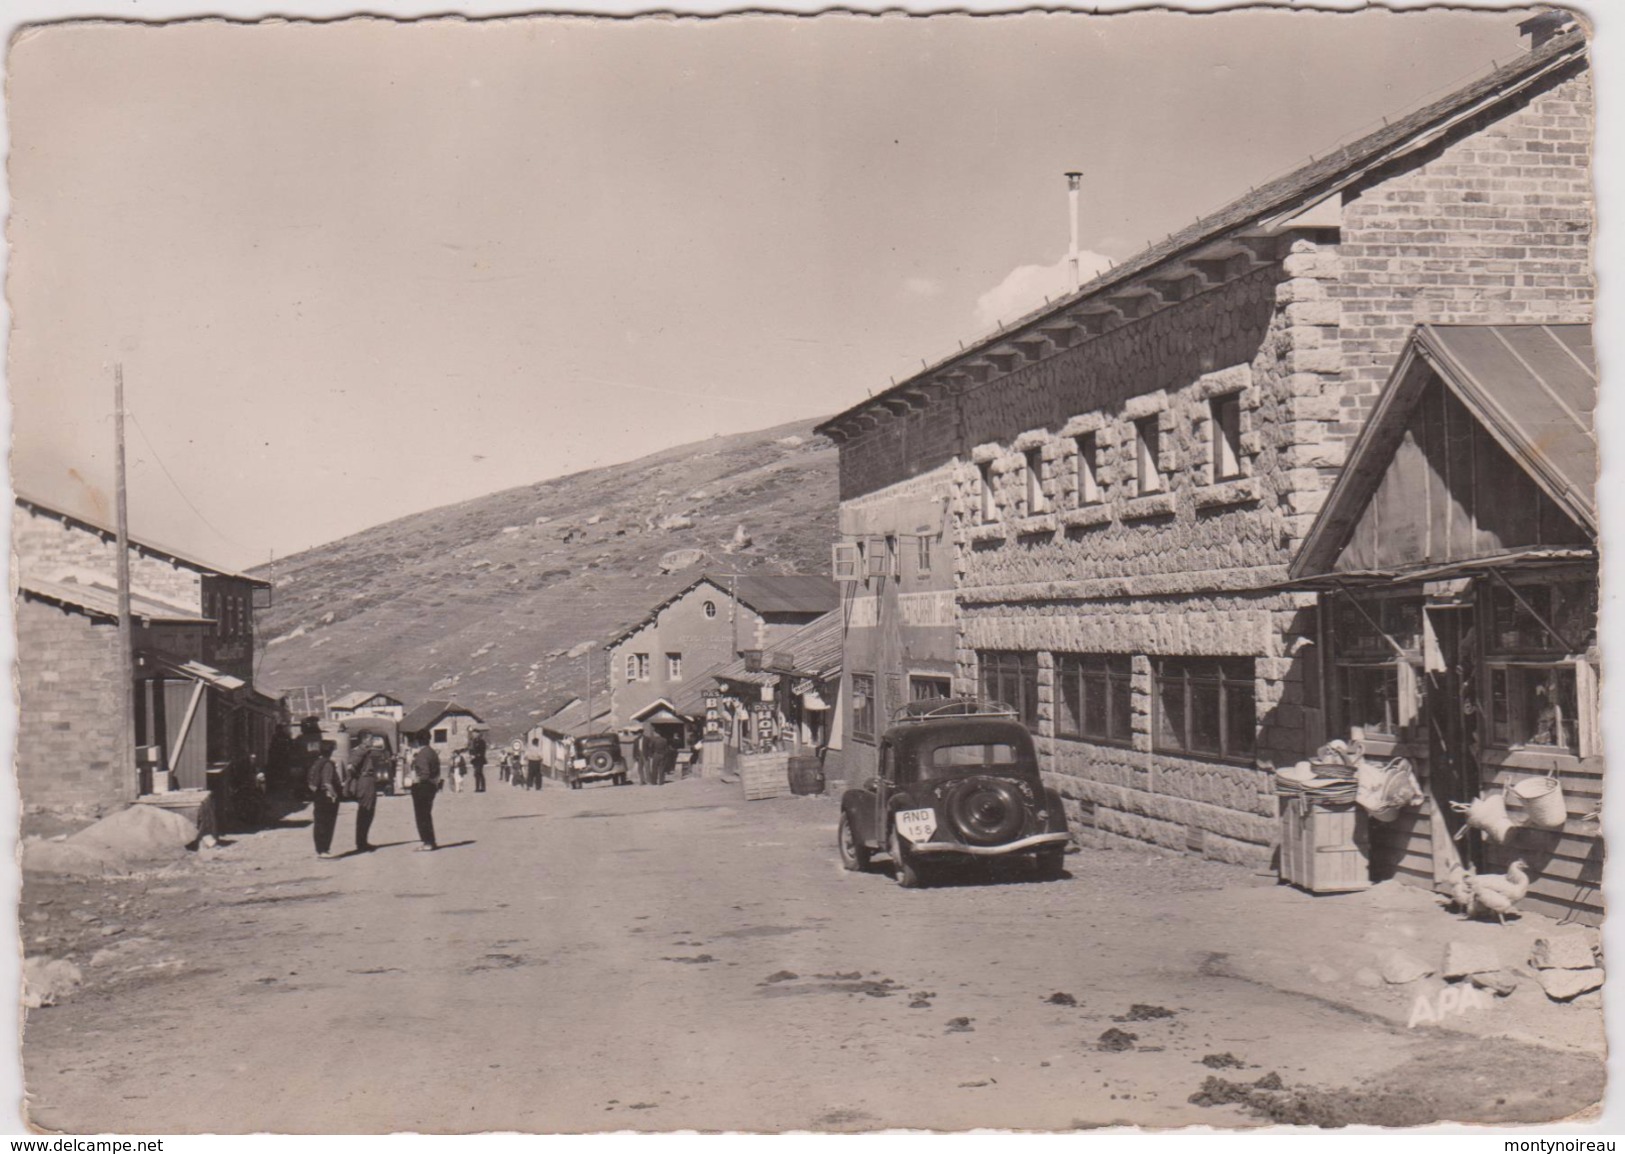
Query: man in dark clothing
326	788
367	763
476	758
655	749
425	784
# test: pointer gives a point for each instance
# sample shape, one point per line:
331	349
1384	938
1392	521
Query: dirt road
671	958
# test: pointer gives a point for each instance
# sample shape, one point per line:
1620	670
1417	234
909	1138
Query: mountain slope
499	602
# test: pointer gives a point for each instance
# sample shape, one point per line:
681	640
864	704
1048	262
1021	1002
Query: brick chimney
1546	25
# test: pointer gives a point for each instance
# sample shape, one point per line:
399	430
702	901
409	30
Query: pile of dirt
139	835
1115	1041
1140	1012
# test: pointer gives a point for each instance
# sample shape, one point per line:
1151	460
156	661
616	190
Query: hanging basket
1542	800
1487	814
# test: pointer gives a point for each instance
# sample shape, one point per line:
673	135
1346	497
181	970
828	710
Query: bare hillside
499	602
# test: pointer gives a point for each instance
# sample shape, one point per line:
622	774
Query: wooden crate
1324	850
764	775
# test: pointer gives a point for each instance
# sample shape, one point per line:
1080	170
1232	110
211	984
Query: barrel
806	774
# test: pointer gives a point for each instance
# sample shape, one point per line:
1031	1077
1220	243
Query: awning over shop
1480	454
191	670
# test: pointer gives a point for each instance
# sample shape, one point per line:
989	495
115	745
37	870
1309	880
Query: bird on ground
1460	880
1498	894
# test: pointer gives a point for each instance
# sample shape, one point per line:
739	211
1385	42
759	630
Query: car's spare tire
600	760
985	810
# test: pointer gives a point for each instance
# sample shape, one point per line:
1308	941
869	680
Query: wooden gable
1450	493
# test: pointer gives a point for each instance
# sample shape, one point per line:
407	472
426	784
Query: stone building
195	704
1129	471
446	724
700	627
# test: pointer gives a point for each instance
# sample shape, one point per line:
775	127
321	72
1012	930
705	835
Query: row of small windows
638	667
868	704
1149	475
1203	707
230	613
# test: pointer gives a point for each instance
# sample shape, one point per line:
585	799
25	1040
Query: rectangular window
637	667
1011	678
922	554
1092	694
1226	432
929	688
1148	455
1519	623
1371	697
674	667
1036	502
1534	705
984	498
1088	470
894	564
863	706
438	737
1204	707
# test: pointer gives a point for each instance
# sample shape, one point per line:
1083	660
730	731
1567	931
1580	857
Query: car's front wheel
907	868
854	854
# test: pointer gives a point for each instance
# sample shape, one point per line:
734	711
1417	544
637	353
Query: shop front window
1011	678
1371	698
1534	705
1205	707
863	706
1092	697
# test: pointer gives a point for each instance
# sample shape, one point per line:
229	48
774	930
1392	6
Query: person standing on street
326	789
425	784
476	758
366	765
533	768
654	757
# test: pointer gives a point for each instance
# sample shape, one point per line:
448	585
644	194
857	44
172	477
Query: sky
353	270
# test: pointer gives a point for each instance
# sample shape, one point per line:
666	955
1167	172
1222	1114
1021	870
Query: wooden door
1451	710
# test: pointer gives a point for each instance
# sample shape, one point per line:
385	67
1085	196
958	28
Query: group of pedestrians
521	767
471	757
330	786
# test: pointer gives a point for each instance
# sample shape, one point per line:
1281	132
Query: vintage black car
958	782
596	757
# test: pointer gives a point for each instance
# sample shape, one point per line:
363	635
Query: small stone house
446	724
1128	473
707	623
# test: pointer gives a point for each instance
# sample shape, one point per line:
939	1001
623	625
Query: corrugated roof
787	593
99	601
140	544
1532	387
1305	185
1535	389
553	706
195	670
425	715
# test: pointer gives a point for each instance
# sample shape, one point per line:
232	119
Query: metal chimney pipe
1072	179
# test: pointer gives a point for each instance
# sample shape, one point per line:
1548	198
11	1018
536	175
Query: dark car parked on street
958	782
596	757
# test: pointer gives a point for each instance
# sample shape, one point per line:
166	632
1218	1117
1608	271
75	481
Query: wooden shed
1457	556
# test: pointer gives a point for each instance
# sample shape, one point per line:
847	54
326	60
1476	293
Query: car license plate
917	824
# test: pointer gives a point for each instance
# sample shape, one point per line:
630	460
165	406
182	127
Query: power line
156	456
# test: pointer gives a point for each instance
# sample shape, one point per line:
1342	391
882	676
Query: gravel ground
659	959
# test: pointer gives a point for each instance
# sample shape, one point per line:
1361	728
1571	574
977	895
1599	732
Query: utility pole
126	634
733	608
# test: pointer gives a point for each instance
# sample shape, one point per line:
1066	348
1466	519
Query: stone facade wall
68	679
1491	223
1494	225
48	549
